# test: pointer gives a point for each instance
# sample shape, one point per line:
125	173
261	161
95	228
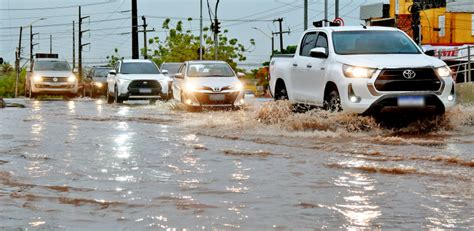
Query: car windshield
373	42
139	68
51	65
101	72
172	68
210	70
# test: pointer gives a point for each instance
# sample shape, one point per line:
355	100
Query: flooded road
86	165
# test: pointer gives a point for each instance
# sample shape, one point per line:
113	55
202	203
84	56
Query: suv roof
136	61
353	28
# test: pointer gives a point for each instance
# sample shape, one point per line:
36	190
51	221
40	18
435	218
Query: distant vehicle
170	69
362	70
50	76
98	80
137	80
208	84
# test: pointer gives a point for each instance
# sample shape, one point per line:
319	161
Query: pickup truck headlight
443	71
71	79
357	72
37	78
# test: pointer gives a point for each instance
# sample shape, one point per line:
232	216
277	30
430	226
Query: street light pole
200	33
268	36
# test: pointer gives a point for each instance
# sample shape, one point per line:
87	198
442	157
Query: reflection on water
358	208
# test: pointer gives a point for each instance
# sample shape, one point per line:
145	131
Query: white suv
137	79
360	69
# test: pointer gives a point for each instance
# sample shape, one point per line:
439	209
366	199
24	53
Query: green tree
181	45
112	59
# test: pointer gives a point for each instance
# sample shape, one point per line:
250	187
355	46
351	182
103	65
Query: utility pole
280	21
32	44
325	12
145	53
80	45
50	44
73	45
200	32
306	14
336	6
17	63
135	53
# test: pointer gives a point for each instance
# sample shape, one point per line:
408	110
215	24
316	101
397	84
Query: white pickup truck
362	70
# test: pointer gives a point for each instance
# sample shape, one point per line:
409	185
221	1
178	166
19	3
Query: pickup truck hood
158	77
390	61
53	73
213	81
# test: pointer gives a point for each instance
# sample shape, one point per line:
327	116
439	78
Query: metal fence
462	66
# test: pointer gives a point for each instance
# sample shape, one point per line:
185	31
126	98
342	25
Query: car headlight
37	78
99	85
72	79
357	72
190	87
443	71
238	86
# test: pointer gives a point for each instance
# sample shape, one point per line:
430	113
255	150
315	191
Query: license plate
411	101
217	97
145	90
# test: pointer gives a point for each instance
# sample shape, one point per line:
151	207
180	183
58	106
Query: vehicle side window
308	43
117	65
322	41
183	70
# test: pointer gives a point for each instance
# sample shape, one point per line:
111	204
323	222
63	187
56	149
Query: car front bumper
54	88
214	99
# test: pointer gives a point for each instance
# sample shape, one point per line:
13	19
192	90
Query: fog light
450	97
188	101
354	99
242	101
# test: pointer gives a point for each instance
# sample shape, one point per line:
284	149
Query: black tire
332	101
117	98
110	99
281	93
165	97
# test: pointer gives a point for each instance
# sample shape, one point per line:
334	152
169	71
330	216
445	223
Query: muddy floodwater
87	165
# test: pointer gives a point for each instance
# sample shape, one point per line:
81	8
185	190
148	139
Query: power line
58	7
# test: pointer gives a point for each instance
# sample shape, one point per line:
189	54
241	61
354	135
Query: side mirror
179	75
1	60
318	52
112	72
430	52
240	75
165	72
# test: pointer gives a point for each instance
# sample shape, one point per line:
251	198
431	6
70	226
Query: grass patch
465	92
7	84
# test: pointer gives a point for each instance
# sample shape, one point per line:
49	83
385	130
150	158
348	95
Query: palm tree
6	68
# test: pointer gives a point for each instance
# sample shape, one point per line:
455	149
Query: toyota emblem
55	79
409	74
145	82
217	89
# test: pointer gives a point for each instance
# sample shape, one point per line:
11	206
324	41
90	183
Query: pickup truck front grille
425	79
52	79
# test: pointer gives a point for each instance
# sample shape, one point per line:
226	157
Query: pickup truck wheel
332	102
117	98
281	93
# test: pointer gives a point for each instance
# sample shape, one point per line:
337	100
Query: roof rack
320	23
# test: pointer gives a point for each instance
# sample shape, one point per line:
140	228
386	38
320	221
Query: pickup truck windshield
51	65
139	68
210	70
373	42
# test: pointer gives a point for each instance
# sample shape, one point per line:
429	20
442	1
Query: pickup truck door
314	77
298	69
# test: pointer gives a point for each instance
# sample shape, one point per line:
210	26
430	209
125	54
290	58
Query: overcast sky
110	26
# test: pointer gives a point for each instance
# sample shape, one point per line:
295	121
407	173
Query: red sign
339	21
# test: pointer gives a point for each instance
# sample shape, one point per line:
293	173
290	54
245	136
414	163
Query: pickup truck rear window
373	42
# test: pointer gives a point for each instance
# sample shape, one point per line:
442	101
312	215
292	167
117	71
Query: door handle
295	65
309	66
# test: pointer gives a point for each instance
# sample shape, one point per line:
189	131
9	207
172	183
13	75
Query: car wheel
110	99
332	102
281	93
117	98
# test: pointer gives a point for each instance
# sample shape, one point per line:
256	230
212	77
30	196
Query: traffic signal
218	27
